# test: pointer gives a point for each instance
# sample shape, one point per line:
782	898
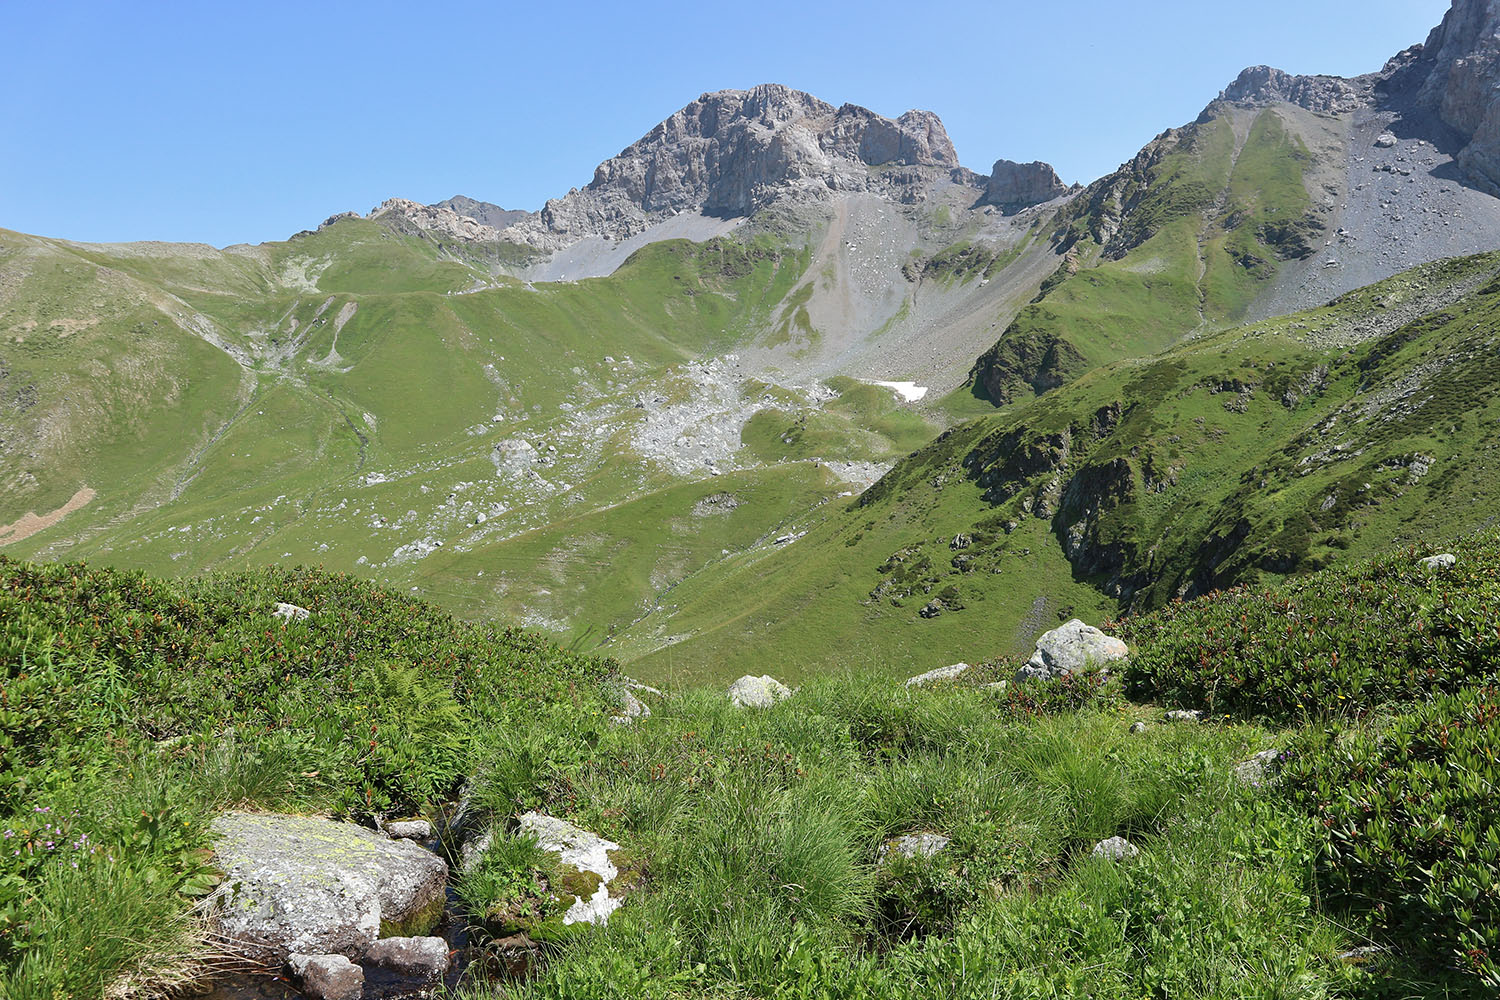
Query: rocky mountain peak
483	212
414	218
731	153
1014	186
1324	94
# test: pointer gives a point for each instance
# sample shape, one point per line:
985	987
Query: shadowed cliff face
1459	73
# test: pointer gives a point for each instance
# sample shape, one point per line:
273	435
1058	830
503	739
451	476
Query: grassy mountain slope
1251	454
1181	239
759	840
365	399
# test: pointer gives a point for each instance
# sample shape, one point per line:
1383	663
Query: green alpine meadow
790	565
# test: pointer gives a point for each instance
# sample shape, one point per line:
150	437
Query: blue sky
226	122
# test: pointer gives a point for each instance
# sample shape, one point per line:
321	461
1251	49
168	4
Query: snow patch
909	392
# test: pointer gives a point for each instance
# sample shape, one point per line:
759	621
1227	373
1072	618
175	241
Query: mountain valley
640	416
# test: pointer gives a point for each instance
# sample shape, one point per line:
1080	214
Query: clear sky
226	122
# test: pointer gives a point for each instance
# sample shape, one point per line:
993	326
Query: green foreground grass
134	708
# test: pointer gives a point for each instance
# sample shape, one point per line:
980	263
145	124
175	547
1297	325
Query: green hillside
1249	455
1181	239
136	708
389	405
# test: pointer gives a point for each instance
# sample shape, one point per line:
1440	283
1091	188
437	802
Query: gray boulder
1115	849
948	673
1069	649
303	885
758	692
327	977
1014	186
631	709
426	957
1385	140
409	829
1255	772
1437	563
1183	715
290	612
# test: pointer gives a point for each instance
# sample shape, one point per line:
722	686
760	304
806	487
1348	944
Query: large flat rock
300	884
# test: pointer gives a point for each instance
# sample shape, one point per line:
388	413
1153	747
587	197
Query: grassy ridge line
1182	239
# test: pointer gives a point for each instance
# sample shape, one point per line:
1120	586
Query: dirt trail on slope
29	524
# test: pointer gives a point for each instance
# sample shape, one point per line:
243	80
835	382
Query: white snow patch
909	392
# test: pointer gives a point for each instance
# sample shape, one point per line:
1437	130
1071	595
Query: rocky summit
733	152
1014	186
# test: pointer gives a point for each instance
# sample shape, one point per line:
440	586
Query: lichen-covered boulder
1070	648
914	845
585	851
1439	562
758	692
949	673
304	885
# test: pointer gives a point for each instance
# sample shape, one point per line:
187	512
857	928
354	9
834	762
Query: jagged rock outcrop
733	152
1014	186
416	219
1456	74
482	212
1325	94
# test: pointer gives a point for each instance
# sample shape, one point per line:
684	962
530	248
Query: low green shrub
1337	643
1411	830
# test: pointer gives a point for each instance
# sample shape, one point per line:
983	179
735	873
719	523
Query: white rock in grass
290	612
631	709
948	673
1116	849
1253	772
1183	715
1437	563
915	845
1069	649
758	692
588	852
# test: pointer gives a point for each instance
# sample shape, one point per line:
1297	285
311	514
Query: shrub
1411	832
1336	643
